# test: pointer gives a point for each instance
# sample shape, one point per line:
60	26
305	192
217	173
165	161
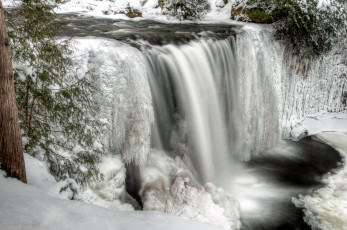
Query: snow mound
38	176
326	208
24	206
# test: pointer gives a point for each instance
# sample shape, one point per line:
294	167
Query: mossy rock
258	14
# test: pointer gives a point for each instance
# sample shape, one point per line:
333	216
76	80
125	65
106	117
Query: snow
323	3
326	122
53	210
10	3
25	206
150	9
77	149
99	8
38	176
219	11
326	208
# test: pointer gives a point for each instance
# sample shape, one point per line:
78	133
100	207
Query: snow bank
326	208
38	176
24	206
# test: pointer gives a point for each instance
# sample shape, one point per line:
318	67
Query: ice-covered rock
109	192
168	186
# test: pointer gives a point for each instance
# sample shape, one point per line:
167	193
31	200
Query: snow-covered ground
28	207
150	9
326	208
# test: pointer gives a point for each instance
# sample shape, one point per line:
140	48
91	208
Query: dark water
153	32
301	171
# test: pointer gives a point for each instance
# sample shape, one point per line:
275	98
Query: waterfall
201	82
216	101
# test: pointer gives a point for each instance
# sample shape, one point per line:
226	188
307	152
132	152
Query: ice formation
125	98
315	94
168	186
259	66
110	191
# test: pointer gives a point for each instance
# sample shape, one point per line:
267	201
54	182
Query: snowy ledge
320	122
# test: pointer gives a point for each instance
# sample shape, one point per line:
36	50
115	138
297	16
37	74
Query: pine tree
185	9
311	28
55	97
11	153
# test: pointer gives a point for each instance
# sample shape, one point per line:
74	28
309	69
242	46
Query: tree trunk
11	152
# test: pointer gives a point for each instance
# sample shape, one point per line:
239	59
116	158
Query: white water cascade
221	96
